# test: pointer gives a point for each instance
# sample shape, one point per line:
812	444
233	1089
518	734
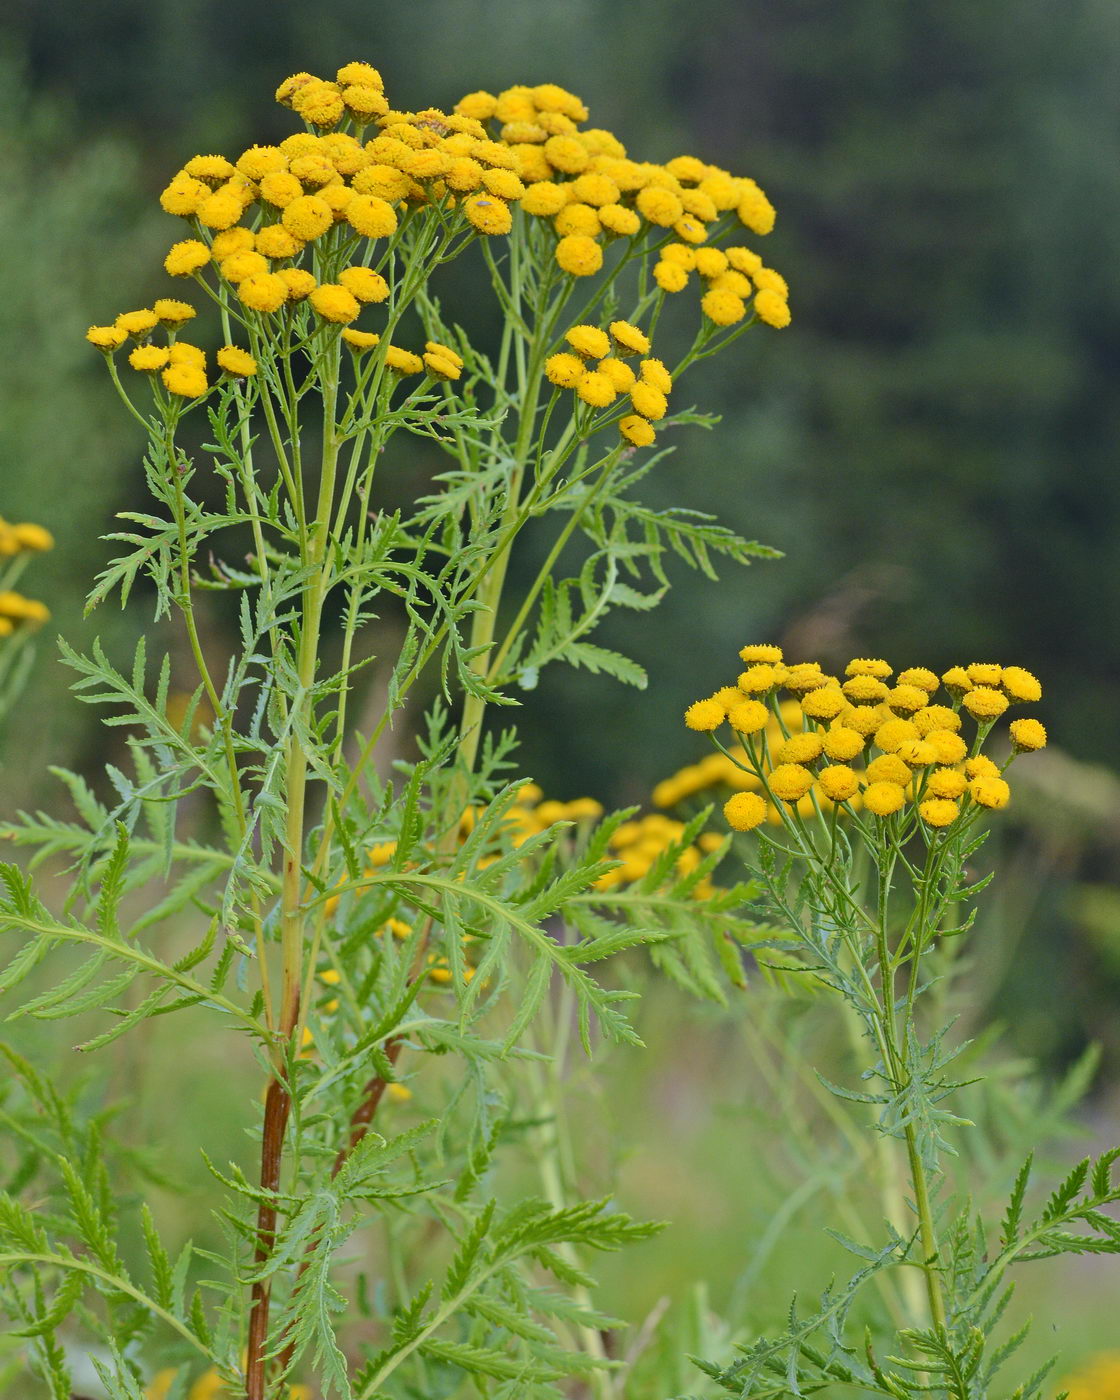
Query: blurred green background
931	444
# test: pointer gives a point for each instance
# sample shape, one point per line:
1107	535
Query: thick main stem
278	1100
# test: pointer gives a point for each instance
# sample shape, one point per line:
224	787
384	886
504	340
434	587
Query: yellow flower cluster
360	167
595	367
23	539
638	845
17	612
208	1386
803	751
180	365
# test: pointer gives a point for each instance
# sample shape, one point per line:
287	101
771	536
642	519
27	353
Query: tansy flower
579	255
799	748
183	353
319	103
360	73
893	734
936	717
763	652
629	338
946	782
173	313
148	357
790	782
136	322
938	811
274	241
918	753
990	792
984	703
757	679
360	340
864	689
334	303
230	241
843	743
596	389
186	380
488	214
442	366
865	719
868	666
589	341
984	673
567	154
770	281
183	195
744	811
32	537
748	716
839	782
106	337
307	217
186	258
670	276
887	768
956	681
824	703
1020	685
371	216
298	281
281	188
403	361
618	372
654	372
755	210
947	746
364	284
267	293
921	677
906	699
1027	735
704	715
564	370
723	308
544	198
883	798
616	218
215	169
980	767
648	401
259	161
236	362
238	266
639	431
773	309
220	210
710	262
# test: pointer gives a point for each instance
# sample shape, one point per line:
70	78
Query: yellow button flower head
236	362
843	743
868	666
148	358
946	782
403	361
173	313
504	183
567	154
983	703
564	370
648	401
790	782
839	782
990	792
280	189
888	768
824	703
579	255
544	198
936	717
723	308
222	209
704	715
956	681
755	210
618	372
773	309
630	339
364	102
238	266
488	214
980	767
186	258
441	366
589	341
748	716
804	677
710	262
334	303
107	338
596	389
479	105
984	673
1027	735
906	699
259	161
919	753
744	811
947	746
883	798
274	241
319	103
183	195
757	679
267	293
363	73
760	652
188	381
938	811
654	372
216	170
307	217
232	240
865	689
865	719
921	677
298	281
670	276
183	353
799	748
1020	685
637	430
364	284
893	734
360	340
136	322
36	539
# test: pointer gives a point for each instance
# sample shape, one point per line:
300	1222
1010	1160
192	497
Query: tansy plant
345	928
868	795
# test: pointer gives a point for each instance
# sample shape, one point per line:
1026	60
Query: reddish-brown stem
277	1104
